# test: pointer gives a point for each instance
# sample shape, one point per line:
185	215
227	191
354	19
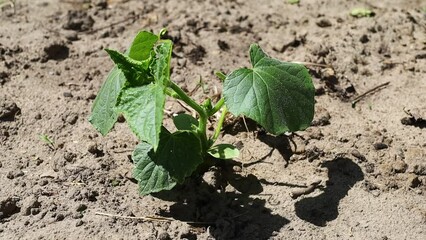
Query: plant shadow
343	173
280	143
229	215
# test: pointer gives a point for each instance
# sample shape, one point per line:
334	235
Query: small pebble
72	36
69	156
369	168
413	181
59	217
364	39
72	118
380	146
79	223
77	215
399	166
15	174
375	193
324	23
43	182
67	94
358	155
35	211
81	207
163	236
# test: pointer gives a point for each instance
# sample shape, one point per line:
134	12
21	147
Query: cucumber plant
277	95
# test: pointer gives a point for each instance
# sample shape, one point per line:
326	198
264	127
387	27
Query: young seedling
361	12
277	95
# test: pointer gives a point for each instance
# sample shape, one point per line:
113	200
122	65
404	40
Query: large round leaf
278	95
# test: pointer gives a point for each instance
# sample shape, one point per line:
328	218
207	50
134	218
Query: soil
57	173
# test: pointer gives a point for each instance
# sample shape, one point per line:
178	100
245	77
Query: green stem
202	128
220	75
172	93
217	107
219	124
184	97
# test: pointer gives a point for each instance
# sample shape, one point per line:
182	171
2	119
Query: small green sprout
293	1
362	12
277	95
47	140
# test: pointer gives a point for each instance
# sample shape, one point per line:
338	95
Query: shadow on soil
230	215
280	143
343	173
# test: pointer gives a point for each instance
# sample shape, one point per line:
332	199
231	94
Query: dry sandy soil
370	159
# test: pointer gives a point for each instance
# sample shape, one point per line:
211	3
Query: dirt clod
95	149
224	46
15	174
69	156
413	181
81	207
358	155
78	21
324	23
59	217
28	204
79	223
8	109
399	166
197	54
55	51
163	236
43	182
8	207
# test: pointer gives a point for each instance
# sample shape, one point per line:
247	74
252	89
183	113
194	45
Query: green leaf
362	12
160	66
180	153
103	115
136	72
142	106
185	122
142	46
278	95
151	177
177	157
224	151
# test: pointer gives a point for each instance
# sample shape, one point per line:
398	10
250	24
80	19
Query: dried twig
297	193
360	97
113	24
151	219
10	3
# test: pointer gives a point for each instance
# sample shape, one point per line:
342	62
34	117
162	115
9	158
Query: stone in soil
358	155
380	146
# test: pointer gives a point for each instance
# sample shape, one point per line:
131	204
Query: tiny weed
293	1
47	140
362	12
